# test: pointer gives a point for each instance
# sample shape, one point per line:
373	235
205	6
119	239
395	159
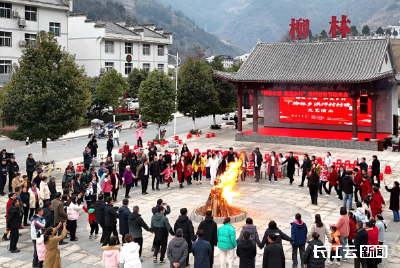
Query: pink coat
106	187
343	226
111	256
139	133
40	248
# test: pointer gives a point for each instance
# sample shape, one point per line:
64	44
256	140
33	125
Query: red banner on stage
331	111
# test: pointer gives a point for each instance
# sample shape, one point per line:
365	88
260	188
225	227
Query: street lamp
178	61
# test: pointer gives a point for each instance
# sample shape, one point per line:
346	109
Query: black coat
136	223
167	159
13	218
376	167
155	168
340	179
394	198
99	211
274	257
52	189
202	253
246	250
360	238
151	155
122	166
123	214
12	168
110	144
30	164
313	183
291	163
309	258
231	158
93	146
110	216
184	223
279	236
306	164
48	215
78	187
259	159
210	230
348	185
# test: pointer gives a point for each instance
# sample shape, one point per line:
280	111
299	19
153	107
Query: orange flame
226	182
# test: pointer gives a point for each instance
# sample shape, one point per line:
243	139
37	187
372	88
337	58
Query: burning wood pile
223	192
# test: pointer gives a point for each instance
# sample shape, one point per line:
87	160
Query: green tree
157	98
354	31
196	93
111	87
226	96
388	32
365	30
235	67
47	94
323	34
395	33
93	83
379	30
310	36
135	78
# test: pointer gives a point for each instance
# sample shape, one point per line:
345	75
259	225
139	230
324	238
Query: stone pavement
263	202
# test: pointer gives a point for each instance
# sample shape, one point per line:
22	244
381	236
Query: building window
161	67
160	50
30	39
30	13
5	10
128	68
146	49
5	39
128	48
55	28
146	66
5	66
109	46
109	66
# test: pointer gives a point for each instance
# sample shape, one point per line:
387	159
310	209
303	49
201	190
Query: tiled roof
338	61
112	27
53	2
148	32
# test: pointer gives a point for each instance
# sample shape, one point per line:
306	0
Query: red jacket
179	169
269	163
353	228
358	179
372	238
92	217
365	188
333	177
376	203
9	204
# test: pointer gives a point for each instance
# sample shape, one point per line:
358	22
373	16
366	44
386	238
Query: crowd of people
53	215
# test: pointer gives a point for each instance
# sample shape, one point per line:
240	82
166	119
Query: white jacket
73	211
328	161
175	158
44	188
214	163
129	255
116	134
32	199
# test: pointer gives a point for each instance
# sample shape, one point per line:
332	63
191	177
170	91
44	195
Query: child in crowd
335	245
40	247
188	174
88	195
94	190
111	253
324	179
94	226
168	175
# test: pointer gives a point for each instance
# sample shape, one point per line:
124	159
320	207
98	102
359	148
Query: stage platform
320	138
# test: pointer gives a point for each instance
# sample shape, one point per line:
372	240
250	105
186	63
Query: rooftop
338	61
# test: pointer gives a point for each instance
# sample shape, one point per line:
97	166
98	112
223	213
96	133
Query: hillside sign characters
301	28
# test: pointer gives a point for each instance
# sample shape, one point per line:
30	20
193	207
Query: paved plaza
262	201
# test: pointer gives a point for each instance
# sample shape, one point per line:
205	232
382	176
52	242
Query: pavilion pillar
373	117
255	111
355	126
239	94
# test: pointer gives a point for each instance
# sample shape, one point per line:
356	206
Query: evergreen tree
379	31
354	31
323	34
196	93
111	87
157	98
388	32
226	96
47	94
135	78
395	33
365	30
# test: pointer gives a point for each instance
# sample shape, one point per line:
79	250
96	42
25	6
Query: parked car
97	110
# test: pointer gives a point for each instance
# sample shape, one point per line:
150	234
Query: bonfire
223	192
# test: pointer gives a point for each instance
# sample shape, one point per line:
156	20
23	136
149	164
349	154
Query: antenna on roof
258	41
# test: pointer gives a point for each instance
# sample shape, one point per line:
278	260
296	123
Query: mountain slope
187	34
244	21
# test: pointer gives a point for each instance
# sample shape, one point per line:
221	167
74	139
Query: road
62	150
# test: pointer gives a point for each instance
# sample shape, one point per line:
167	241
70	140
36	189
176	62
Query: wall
386	107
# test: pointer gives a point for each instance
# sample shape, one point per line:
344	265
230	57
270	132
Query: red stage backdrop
332	111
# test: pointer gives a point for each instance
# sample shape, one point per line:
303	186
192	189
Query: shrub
85	122
215	126
5	130
194	131
158	140
249	115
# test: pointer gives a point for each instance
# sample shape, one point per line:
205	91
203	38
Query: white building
227	61
21	20
100	46
241	59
